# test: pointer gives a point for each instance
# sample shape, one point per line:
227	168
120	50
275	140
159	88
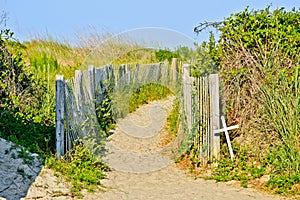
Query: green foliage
285	183
186	54
146	94
81	168
259	69
213	50
104	112
282	109
242	169
173	118
263	27
45	67
207	59
13	77
23	117
163	55
258	56
22	130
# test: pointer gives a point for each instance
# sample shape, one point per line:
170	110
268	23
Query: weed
173	119
27	158
104	112
242	169
81	168
20	170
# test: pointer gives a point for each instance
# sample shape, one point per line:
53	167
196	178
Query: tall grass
101	49
45	68
91	48
282	113
67	57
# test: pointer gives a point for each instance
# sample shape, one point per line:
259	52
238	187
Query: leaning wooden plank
60	109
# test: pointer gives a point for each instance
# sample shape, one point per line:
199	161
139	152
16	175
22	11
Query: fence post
60	112
175	70
187	94
215	113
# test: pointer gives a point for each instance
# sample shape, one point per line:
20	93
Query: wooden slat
60	113
215	112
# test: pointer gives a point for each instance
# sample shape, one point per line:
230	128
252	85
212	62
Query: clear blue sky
65	18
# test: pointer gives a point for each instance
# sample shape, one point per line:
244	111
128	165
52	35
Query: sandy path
143	170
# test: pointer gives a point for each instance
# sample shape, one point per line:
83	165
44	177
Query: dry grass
102	49
91	48
244	73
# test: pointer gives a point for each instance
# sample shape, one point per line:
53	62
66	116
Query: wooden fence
201	107
77	99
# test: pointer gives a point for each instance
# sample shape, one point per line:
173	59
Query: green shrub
81	168
147	93
242	169
173	118
24	119
22	130
104	112
163	55
259	64
207	59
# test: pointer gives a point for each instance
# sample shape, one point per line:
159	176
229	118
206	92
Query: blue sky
66	18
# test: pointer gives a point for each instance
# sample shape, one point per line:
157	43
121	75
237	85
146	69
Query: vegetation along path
142	167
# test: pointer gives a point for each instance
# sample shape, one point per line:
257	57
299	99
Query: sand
142	169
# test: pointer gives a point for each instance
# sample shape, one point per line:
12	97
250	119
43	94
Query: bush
163	55
22	109
81	168
259	66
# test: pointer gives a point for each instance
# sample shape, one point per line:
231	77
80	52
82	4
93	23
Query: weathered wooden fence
77	99
201	107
